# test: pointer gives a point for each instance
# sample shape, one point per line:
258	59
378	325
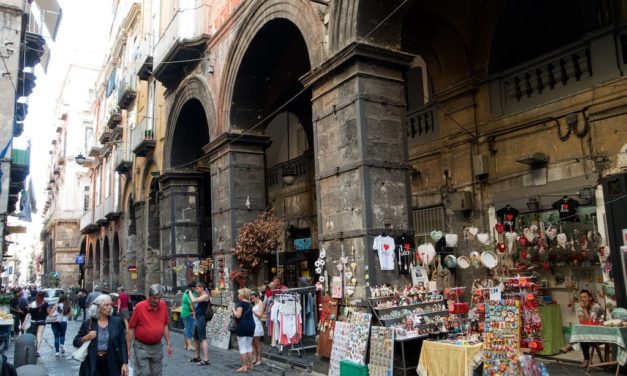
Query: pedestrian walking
122	305
245	329
38	311
148	325
107	352
200	327
64	312
188	316
18	307
258	313
82	303
93	295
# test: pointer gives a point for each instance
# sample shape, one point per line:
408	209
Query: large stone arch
299	12
193	87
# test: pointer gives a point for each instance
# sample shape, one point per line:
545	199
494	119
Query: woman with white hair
107	352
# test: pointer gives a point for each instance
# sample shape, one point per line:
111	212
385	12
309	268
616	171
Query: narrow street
222	361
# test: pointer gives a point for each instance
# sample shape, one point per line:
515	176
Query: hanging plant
257	239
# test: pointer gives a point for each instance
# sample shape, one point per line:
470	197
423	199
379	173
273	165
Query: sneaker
57	354
62	349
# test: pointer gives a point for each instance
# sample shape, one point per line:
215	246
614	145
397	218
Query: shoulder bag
54	317
234	321
81	353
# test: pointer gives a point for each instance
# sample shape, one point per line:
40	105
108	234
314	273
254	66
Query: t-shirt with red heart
385	245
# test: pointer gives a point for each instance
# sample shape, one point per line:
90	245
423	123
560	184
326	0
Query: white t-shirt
384	245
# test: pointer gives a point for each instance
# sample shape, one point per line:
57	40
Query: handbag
81	353
233	323
209	312
55	317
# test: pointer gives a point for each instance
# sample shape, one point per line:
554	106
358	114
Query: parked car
134	298
51	296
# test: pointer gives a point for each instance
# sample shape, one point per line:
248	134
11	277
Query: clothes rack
297	297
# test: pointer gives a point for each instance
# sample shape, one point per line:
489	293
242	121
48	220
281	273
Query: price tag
495	294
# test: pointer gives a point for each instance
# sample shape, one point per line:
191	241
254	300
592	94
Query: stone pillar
139	247
362	178
181	211
237	170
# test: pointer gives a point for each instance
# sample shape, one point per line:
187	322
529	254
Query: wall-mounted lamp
80	159
533	204
289	176
535	160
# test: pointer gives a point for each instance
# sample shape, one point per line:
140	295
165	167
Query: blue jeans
58	329
188	324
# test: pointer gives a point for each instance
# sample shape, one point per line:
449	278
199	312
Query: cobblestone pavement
222	361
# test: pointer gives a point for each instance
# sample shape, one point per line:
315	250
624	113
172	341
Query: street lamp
288	175
80	159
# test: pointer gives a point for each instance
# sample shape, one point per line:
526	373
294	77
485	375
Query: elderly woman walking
245	329
107	353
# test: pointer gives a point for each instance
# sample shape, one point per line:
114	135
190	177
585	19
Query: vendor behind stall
589	312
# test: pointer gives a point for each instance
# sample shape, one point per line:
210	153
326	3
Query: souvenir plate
489	259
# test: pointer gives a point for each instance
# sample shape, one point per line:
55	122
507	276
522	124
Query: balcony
422	125
105	136
127	92
115	118
185	39
123	160
87	224
99	215
111	210
94	152
117	134
559	73
143	58
142	137
300	166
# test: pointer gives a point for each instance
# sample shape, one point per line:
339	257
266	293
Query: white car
51	296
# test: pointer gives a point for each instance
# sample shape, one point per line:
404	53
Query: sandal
194	360
203	363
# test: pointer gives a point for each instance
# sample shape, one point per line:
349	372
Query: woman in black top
38	311
245	329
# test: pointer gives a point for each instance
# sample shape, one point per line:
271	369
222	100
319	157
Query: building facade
351	119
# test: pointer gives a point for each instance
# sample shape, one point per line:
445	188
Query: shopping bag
81	353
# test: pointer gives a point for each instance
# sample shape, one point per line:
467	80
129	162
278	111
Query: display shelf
407	306
398	319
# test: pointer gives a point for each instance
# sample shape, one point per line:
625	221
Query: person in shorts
187	315
200	329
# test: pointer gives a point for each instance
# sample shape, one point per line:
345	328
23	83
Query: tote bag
81	353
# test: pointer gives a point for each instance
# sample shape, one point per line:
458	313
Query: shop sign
79	260
132	268
303	244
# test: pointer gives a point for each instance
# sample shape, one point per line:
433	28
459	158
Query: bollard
25	350
31	370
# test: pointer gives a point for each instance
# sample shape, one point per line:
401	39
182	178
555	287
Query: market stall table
552	336
603	334
438	358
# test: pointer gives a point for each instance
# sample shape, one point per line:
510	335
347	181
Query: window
421	121
86	198
89	133
427	220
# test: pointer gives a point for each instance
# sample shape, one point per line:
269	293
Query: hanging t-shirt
385	245
507	216
404	247
567	207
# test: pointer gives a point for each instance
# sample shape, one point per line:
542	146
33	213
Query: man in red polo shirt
149	323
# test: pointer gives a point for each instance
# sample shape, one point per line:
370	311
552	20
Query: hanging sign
80	260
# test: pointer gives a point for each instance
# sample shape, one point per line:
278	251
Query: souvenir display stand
218	334
413	314
502	338
381	362
350	341
289	306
